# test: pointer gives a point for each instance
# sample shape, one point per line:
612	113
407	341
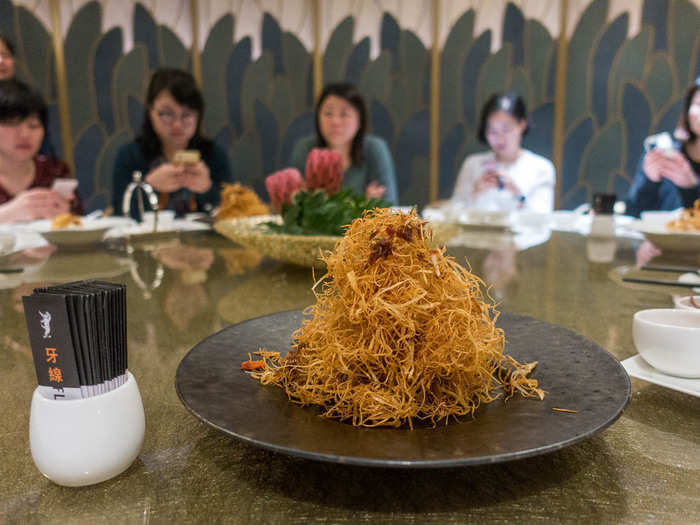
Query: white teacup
669	340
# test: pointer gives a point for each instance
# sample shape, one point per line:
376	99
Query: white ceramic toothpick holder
87	441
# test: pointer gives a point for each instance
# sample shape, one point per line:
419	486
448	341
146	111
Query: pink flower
324	170
281	186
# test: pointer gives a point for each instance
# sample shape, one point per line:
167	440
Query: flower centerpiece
312	212
316	205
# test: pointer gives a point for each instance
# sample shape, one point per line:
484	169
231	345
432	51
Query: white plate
168	227
90	231
637	367
572	221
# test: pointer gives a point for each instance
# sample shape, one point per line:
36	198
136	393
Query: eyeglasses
499	131
6	56
169	118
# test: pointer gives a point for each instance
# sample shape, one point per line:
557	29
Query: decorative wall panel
257	78
626	67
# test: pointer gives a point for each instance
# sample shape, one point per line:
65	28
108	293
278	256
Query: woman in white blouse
508	177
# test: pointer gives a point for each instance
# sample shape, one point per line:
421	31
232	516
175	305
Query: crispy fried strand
399	332
689	220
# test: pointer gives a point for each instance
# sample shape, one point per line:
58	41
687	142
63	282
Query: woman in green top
171	123
341	121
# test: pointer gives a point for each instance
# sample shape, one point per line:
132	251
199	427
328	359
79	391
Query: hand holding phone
65	187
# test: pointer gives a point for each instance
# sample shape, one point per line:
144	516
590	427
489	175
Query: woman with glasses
27	177
507	177
172	124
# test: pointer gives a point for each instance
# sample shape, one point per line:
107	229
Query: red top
47	170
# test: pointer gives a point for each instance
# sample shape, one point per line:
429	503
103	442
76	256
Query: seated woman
341	122
507	177
668	177
26	178
7	71
7	58
171	124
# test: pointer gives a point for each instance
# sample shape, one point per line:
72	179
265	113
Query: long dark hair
8	44
18	101
348	92
511	103
692	137
181	85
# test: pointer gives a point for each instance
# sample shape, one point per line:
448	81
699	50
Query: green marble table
643	469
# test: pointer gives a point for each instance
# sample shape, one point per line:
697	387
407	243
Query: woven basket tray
303	250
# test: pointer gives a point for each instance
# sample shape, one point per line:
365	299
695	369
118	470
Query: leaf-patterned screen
617	88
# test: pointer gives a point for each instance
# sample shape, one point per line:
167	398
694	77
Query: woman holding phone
341	123
27	179
184	167
668	175
507	177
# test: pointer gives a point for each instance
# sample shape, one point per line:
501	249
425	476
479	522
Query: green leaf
79	45
452	59
337	51
582	44
173	52
628	66
659	81
318	214
603	158
494	72
214	59
539	47
686	20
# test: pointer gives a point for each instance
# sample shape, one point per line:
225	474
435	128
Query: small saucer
637	367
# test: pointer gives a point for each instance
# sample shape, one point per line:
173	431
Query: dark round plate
576	373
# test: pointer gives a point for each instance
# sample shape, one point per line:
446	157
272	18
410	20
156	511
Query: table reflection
199	282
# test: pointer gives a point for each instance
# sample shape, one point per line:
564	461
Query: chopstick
661	281
11	270
665	268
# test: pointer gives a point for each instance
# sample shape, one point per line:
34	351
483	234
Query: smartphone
659	142
65	187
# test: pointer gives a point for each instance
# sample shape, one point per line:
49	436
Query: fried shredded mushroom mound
240	201
400	332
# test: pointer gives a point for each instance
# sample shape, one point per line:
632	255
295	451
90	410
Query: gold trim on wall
318	63
560	101
435	102
196	57
62	86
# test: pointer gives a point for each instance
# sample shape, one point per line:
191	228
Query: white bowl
669	340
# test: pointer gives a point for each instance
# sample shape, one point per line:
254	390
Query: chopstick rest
87	421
